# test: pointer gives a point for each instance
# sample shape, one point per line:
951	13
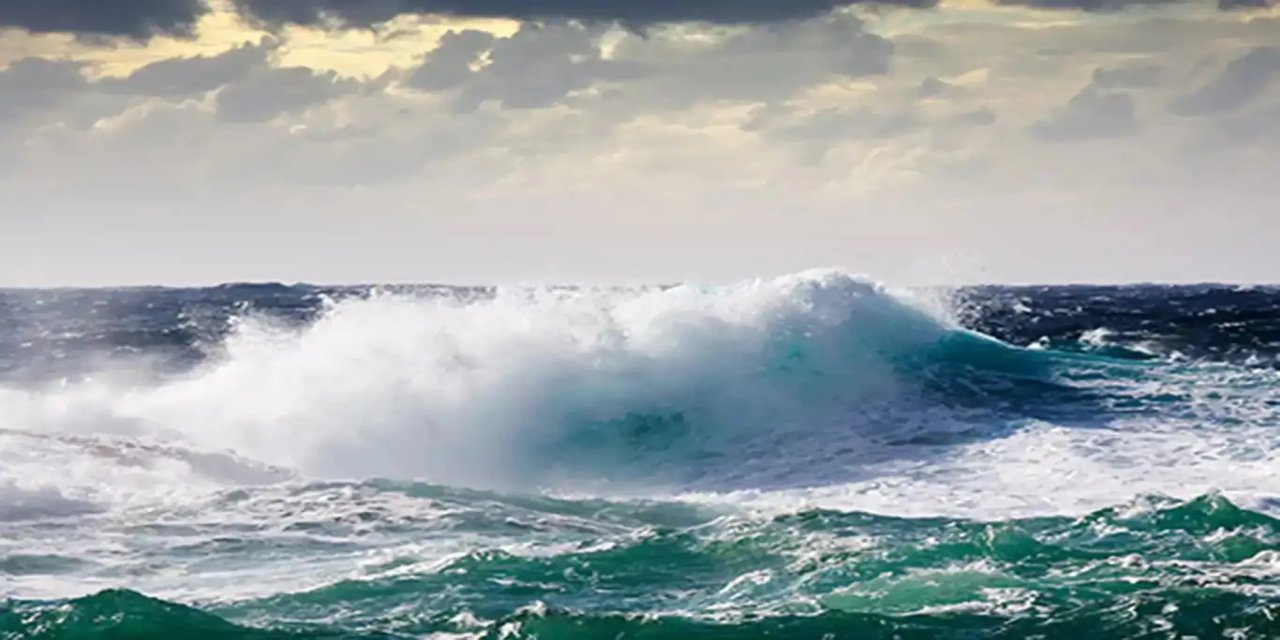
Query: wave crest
541	385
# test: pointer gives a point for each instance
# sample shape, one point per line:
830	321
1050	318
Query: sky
495	141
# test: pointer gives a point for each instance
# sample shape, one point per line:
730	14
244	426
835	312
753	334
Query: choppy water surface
809	456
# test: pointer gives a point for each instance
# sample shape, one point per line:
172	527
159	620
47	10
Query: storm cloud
143	19
136	19
1231	5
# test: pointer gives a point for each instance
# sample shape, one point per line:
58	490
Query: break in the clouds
481	141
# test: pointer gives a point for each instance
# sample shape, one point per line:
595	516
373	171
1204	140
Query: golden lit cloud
349	52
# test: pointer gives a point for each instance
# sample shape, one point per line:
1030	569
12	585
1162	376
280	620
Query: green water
1156	568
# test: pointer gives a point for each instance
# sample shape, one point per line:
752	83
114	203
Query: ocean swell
680	386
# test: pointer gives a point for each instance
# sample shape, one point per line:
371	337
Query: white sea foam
459	391
791	383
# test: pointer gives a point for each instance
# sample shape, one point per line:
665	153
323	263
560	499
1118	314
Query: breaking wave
679	385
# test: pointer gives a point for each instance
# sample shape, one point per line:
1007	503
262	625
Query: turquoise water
597	569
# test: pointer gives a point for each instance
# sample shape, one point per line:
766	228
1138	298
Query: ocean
809	456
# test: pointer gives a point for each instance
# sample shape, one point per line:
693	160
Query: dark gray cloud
635	12
1091	114
267	93
762	65
536	67
34	84
142	19
1126	77
1100	6
35	92
1243	80
932	87
449	64
1230	5
191	75
137	19
980	117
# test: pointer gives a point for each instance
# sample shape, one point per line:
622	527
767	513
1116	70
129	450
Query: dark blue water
47	333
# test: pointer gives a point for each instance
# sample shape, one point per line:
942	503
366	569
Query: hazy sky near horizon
185	141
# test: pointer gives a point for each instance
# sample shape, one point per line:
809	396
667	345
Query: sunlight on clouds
966	12
365	53
15	44
836	93
359	53
216	32
1270	13
970	78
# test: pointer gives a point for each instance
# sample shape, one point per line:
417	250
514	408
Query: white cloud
821	140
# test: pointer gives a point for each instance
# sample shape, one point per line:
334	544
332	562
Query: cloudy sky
185	141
